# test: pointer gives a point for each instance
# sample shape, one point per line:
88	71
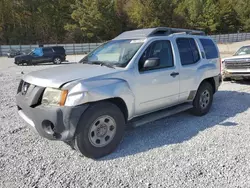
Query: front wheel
203	99
226	79
57	61
100	130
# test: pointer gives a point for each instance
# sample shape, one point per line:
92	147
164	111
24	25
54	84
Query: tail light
220	65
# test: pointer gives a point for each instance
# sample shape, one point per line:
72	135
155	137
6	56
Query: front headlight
55	97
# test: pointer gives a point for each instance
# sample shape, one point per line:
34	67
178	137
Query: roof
159	31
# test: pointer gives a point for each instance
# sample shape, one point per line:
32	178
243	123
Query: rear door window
188	51
209	48
47	50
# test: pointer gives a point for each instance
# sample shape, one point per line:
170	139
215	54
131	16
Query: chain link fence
230	38
72	49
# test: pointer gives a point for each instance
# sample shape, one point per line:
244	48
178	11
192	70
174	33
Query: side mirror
151	63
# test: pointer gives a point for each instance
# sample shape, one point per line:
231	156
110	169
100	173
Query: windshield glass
114	53
30	52
243	51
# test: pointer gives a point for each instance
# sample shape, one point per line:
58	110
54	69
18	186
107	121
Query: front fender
93	91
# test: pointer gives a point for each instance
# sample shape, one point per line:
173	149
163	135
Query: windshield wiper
102	64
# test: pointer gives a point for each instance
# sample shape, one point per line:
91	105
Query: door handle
174	74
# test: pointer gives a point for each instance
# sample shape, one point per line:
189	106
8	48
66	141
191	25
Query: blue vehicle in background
55	54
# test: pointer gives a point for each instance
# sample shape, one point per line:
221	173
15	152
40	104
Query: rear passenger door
189	60
47	54
37	55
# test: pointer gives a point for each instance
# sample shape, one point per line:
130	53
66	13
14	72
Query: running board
136	122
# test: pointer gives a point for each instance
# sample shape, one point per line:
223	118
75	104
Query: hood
238	57
24	56
57	76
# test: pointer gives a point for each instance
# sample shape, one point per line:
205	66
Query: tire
26	63
29	63
57	60
95	139
226	79
203	99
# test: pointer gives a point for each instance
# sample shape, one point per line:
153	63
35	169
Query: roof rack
159	31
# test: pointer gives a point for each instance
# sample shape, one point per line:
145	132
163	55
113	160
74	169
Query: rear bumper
54	123
236	75
218	81
63	58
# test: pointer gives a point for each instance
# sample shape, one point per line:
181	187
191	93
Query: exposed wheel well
121	104
57	57
211	81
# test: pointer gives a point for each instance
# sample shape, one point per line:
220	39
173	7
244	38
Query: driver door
37	56
157	88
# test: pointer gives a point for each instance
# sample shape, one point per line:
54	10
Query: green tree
242	8
7	20
200	14
31	21
98	20
229	19
151	13
54	21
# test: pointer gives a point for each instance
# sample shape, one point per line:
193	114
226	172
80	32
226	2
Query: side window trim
197	48
147	56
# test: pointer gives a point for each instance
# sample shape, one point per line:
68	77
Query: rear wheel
57	60
28	63
203	99
100	130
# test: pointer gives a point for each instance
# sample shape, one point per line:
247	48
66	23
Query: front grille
19	89
245	73
237	65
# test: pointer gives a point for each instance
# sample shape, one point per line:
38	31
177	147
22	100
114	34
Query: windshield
114	53
30	52
243	51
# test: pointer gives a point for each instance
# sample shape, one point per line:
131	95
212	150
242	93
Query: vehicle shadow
182	127
43	64
242	82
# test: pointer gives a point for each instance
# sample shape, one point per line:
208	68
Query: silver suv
138	77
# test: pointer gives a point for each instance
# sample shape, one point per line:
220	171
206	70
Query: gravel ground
179	151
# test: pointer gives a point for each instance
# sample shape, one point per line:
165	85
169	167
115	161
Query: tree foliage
58	21
98	20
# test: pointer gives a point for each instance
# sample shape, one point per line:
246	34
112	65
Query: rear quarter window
59	49
210	49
